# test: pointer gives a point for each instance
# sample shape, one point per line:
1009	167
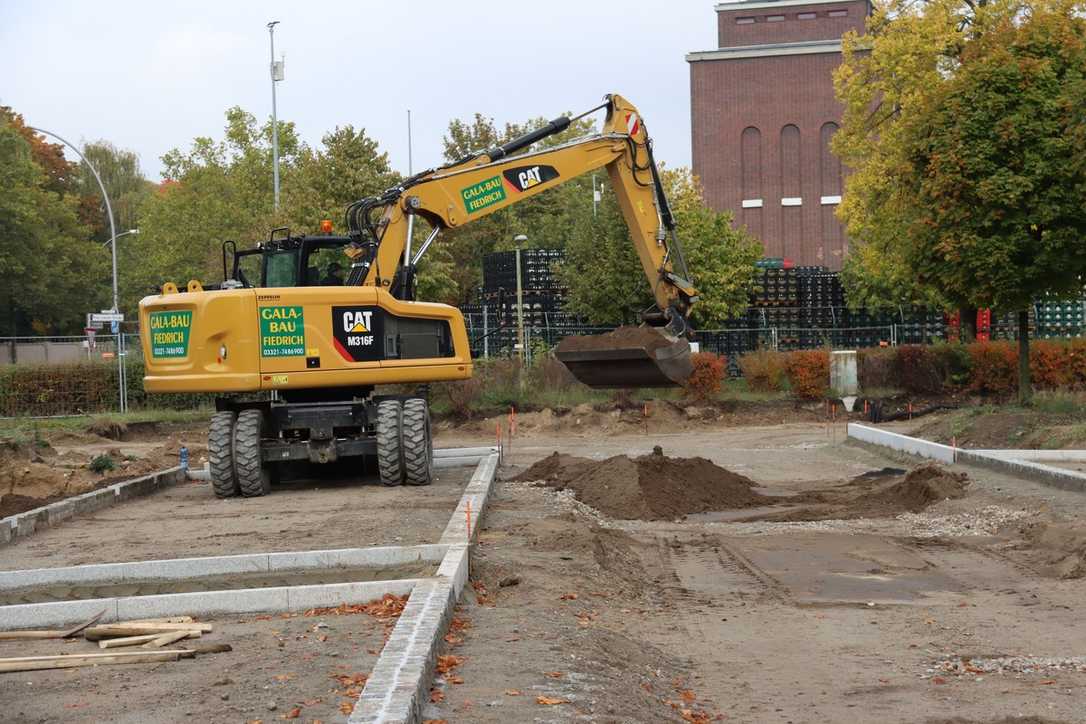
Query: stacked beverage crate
1059	318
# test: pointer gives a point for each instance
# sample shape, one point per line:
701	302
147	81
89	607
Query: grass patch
23	430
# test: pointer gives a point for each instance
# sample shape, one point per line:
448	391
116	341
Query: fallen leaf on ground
459	624
293	713
513	692
550	700
1047	681
351	679
454	679
346	707
568	597
687	695
453	640
695	716
448	662
938	680
283	677
553	674
388	607
435	721
436	696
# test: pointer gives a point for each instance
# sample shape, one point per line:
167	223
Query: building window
744	21
807	16
831	200
838	13
752	203
792	201
774	18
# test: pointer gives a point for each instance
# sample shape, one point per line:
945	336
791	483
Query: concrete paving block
92	501
455	567
7	530
57	512
56	614
204	603
182	568
377	556
902	443
1038	472
26	523
303	598
478	452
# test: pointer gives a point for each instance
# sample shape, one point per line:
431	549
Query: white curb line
399	683
1015	462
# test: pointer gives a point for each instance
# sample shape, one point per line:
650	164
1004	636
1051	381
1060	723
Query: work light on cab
326	226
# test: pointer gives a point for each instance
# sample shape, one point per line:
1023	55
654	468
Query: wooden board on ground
34	663
162	638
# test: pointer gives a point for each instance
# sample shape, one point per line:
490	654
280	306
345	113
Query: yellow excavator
314	348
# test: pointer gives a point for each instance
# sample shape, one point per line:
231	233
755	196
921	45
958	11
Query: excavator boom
482	183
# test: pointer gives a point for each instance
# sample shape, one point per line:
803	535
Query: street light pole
275	121
121	385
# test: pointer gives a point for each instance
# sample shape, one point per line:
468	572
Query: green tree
53	273
961	124
125	183
720	257
546	219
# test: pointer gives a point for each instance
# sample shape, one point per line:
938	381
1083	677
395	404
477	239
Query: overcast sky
151	76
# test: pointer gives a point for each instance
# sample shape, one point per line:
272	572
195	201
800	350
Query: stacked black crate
543	294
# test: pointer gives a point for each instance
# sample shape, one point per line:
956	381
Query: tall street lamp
121	385
276	76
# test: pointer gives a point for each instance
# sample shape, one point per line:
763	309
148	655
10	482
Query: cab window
281	268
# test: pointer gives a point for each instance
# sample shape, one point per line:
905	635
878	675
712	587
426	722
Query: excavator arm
480	184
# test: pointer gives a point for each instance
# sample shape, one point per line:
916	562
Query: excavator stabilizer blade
627	357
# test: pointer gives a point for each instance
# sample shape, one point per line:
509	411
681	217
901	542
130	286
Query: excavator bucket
627	357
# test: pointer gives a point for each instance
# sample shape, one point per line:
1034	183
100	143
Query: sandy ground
864	620
188	520
576	617
278	663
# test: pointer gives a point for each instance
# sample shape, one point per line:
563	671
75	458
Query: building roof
806	47
764	4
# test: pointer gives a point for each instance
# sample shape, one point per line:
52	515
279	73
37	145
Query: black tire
253	477
389	444
418	448
220	455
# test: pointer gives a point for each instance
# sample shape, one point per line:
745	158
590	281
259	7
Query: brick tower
762	113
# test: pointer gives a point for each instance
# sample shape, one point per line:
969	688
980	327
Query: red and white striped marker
633	124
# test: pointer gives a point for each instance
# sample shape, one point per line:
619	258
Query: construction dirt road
835	588
787	577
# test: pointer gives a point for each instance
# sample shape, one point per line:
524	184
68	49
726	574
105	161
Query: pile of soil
620	338
651	487
920	488
1057	549
877	494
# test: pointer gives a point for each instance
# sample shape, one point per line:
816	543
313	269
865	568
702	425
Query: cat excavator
296	357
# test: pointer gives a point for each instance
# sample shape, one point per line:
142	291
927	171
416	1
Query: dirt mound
651	487
919	489
621	338
1057	549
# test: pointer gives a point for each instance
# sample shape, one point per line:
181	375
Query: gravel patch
1011	665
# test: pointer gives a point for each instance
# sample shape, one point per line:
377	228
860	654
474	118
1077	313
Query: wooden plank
16	635
131	640
113	630
165	619
35	663
158	641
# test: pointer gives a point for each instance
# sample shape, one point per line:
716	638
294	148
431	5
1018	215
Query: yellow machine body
247	340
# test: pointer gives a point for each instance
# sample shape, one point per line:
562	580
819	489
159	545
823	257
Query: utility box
843	377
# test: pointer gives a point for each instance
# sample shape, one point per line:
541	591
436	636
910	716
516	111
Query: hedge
986	368
79	388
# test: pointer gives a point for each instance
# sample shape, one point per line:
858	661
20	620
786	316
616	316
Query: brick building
762	113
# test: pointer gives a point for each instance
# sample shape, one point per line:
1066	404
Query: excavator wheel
390	461
418	446
254	478
220	453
